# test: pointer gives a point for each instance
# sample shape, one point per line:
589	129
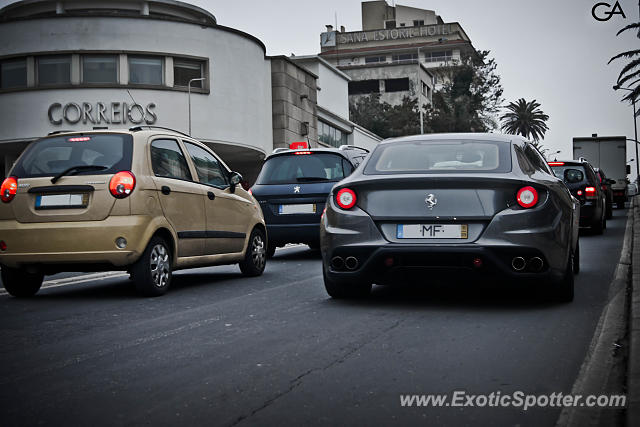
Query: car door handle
210	195
165	190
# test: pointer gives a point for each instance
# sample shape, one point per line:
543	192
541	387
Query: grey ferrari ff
471	205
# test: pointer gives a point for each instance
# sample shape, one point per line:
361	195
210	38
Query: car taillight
122	184
527	197
250	191
302	152
590	192
555	163
346	198
579	192
9	189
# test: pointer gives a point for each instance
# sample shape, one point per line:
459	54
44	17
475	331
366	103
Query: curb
597	373
633	370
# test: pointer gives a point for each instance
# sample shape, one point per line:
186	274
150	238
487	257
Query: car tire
21	283
340	291
599	225
576	259
564	288
271	250
255	258
152	272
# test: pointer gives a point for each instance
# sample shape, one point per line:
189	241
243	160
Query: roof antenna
134	101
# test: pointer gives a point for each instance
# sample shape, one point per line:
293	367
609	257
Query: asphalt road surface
220	349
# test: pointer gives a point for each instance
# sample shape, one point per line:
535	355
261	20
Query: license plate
432	231
62	201
302	208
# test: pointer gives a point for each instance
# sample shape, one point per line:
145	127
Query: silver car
442	204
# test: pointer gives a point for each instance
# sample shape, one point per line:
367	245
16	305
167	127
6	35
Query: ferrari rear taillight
9	189
122	184
527	197
590	192
346	198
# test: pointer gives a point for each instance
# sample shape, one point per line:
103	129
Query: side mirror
235	179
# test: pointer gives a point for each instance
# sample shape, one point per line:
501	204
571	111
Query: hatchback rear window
440	157
294	168
51	156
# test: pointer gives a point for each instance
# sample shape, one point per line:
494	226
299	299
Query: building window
374	59
442	56
404	57
418	22
185	70
54	70
363	87
424	88
100	69
331	135
145	70
389	25
396	85
13	73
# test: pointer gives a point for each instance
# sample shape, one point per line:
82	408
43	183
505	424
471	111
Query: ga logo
604	11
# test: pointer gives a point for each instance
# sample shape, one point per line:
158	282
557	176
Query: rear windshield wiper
77	169
312	178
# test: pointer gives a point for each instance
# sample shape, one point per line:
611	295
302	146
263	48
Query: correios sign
394	34
101	112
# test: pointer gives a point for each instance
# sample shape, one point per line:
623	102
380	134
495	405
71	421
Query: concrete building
334	127
397	53
78	64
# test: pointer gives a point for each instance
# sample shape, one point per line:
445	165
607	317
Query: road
220	349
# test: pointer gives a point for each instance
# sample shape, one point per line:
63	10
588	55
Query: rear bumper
425	263
281	234
72	243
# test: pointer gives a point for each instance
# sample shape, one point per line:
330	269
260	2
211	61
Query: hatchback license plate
302	208
62	201
432	231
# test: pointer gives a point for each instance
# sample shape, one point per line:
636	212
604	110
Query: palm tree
631	71
526	119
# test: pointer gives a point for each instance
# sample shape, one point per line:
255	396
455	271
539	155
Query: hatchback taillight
527	197
9	189
590	192
346	198
122	184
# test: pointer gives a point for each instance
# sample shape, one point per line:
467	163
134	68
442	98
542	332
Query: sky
549	50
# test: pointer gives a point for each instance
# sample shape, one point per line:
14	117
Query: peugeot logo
431	201
296	189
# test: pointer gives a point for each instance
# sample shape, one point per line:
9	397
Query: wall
361	137
237	111
294	102
406	15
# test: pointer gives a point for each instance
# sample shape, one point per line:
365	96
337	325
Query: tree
470	97
526	119
631	71
383	119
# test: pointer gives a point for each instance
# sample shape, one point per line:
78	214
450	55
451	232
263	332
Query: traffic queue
150	201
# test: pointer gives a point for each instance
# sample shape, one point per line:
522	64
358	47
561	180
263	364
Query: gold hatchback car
146	200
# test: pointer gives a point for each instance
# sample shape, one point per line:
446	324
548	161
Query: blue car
292	189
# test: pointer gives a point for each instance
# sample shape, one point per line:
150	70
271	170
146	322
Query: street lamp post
189	91
635	127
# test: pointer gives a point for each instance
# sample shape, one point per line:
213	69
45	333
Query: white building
334	127
78	64
397	52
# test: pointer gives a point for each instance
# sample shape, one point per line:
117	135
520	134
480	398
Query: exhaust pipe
518	263
351	262
536	264
337	263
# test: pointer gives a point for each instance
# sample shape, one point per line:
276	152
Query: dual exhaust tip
534	264
339	263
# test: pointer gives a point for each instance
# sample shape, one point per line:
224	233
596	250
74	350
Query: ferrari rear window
50	156
442	156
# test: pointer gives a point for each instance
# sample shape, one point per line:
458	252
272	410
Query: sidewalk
633	370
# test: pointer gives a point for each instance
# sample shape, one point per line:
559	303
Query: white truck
608	153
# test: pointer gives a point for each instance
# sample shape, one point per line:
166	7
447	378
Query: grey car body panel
486	202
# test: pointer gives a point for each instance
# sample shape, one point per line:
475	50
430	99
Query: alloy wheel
258	252
160	268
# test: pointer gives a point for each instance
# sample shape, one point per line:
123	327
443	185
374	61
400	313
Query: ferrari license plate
432	231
